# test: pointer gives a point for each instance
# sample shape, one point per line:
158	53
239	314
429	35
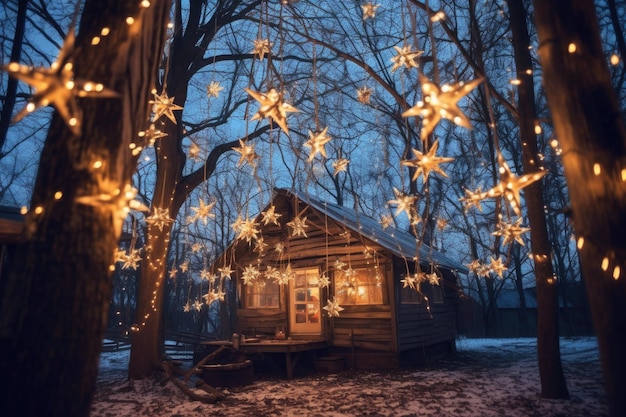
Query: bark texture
593	140
548	352
55	299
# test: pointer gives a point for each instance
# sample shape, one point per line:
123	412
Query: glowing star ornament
369	10
214	89
184	267
511	232
474	266
162	105
131	261
56	86
196	247
205	275
194	151
439	103
160	218
323	281
496	266
272	273
260	246
187	307
364	95
472	199
432	278
173	272
247	154
249	274
270	216
426	163
248	230
340	165
510	185
403	202
152	134
225	272
316	142
333	308
405	57
203	212
298	226
261	47
386	220
273	107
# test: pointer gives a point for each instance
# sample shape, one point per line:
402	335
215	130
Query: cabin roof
401	244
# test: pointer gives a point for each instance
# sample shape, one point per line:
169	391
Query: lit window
359	286
261	293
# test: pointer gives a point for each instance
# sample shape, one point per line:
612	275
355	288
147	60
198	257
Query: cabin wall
422	325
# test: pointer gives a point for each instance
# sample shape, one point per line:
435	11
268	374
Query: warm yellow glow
538	129
145	4
440	15
38	210
624	174
605	263
23	210
571	48
554	143
97	164
616	272
58	195
529	72
615	59
95	40
105	31
130	20
580	243
597	169
515	81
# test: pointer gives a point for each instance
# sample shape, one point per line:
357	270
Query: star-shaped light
425	163
298	226
273	107
248	230
173	272
386	220
203	212
405	57
510	186
262	47
364	95
162	105
131	261
432	278
369	10
316	142
472	199
339	265
206	275
441	103
403	202
56	86
247	153
442	223
184	267
119	255
152	134
197	305
194	151
496	266
187	307
285	276
409	281
333	308
225	271
511	232
214	89
272	273
196	247
160	218
270	216
340	165
279	247
474	266
323	281
249	274
260	246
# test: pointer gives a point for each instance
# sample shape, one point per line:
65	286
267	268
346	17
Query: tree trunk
593	140
11	93
54	306
548	352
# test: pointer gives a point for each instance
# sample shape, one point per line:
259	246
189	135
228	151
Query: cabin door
304	303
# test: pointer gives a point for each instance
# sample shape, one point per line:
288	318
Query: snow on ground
487	377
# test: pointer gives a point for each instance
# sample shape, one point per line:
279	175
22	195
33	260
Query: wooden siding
417	327
263	321
367	327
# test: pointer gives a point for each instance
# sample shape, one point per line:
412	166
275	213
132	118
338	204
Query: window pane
358	286
261	294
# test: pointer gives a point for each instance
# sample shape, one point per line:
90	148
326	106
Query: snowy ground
488	377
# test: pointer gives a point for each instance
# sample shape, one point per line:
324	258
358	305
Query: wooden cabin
383	323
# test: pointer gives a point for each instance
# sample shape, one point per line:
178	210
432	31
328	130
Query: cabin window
409	295
262	293
359	286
